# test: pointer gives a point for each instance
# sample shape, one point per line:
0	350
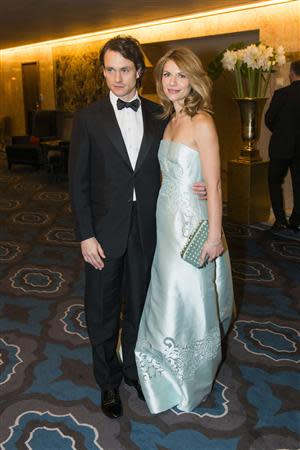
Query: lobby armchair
47	126
25	150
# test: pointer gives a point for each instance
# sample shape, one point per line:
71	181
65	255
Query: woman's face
175	83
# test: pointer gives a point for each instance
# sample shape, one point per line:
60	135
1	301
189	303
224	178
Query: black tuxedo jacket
283	120
102	179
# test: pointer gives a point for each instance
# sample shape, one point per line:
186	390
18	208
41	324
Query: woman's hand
211	250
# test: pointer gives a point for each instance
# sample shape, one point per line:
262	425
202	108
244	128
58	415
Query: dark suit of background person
283	120
102	182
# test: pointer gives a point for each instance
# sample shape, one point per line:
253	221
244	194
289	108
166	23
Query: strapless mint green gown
187	310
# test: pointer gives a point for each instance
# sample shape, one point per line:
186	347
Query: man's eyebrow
121	68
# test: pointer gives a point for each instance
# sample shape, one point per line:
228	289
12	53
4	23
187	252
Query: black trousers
122	282
278	169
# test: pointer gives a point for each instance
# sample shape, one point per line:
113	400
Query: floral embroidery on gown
187	310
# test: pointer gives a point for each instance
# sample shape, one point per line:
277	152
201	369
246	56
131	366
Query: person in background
188	309
114	184
283	120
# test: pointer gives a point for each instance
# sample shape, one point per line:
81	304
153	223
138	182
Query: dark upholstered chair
47	125
24	150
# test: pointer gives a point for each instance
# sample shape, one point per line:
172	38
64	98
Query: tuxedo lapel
148	136
112	129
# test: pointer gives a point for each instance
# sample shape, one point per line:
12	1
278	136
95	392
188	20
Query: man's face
120	74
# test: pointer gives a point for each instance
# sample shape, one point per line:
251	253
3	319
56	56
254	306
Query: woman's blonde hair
199	97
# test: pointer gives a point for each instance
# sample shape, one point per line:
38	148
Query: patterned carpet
49	399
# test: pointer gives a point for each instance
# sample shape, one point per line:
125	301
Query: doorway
31	89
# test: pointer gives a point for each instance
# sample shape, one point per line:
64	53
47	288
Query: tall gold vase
251	114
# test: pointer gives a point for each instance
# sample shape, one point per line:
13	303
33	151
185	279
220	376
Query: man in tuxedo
114	183
283	120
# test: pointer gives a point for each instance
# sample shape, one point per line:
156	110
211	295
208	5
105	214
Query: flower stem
259	83
252	82
239	82
267	81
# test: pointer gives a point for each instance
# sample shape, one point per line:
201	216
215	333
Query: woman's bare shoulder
203	118
203	123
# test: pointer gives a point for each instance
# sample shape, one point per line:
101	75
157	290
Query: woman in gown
187	310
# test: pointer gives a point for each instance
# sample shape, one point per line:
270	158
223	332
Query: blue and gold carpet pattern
48	396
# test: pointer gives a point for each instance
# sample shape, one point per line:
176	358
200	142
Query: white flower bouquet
252	67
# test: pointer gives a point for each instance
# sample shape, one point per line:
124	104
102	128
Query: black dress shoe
279	226
137	386
111	403
294	226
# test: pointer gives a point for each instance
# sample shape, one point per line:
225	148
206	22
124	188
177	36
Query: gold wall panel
274	24
269	20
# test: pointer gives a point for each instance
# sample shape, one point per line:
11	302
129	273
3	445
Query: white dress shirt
132	129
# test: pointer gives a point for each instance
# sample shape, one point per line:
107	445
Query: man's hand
199	189
93	253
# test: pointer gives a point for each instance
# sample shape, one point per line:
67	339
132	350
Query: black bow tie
133	105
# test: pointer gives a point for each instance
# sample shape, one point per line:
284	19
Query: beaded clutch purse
192	250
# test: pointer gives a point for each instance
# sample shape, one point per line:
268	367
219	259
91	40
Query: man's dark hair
295	67
129	48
